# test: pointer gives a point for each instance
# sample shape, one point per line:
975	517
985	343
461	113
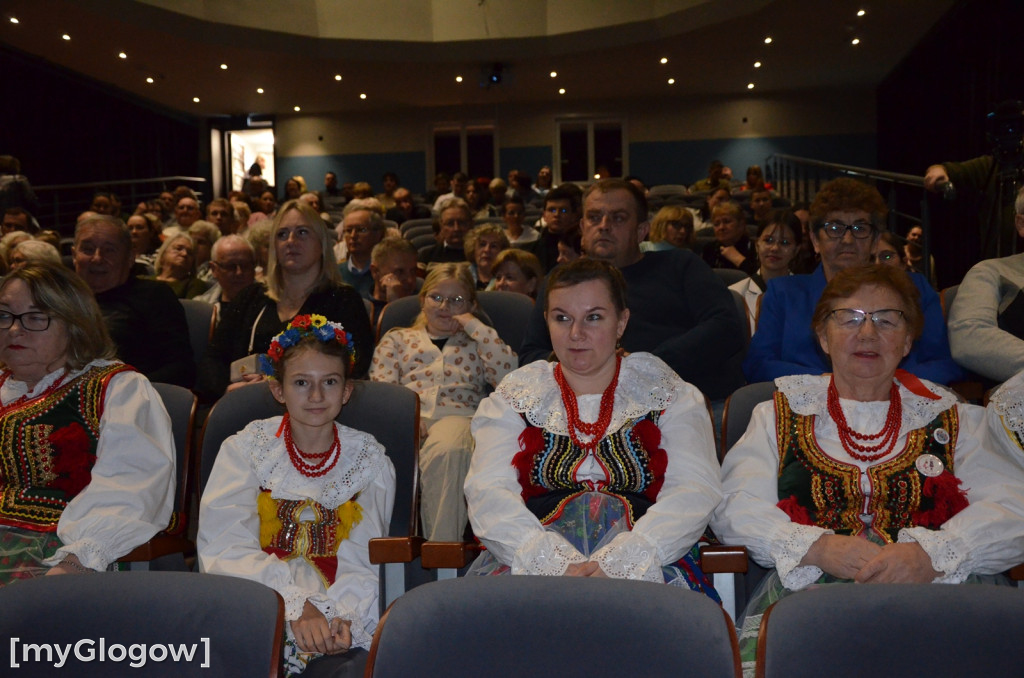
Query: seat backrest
180	404
399	313
423	242
388	412
553	626
738	408
731	276
199	317
413	231
413	223
509	313
805	633
206	615
741	307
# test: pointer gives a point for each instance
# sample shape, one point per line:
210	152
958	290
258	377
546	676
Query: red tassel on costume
797	513
72	459
648	435
948	498
531	442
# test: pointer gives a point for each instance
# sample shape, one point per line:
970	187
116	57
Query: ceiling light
195	100
362	96
458	78
671	81
664	60
14	20
297	109
337	77
223	67
122	55
757	64
861	12
66	36
554	74
259	90
750	85
855	41
149	80
768	40
561	90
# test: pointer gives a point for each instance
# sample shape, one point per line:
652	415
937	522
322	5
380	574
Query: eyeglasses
884	320
453	302
837	229
886	255
770	240
234	268
33	321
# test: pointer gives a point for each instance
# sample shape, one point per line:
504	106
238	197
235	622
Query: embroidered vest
48	449
828	493
631	457
316	541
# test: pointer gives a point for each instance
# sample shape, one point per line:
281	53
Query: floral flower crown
301	327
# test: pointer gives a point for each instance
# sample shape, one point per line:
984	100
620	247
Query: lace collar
1008	402
11	389
808	395
361	460
646	384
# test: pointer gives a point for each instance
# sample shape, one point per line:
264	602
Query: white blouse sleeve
497	511
355	592
988	535
691	491
749	515
131	492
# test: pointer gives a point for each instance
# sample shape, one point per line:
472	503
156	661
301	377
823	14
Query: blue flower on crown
302	326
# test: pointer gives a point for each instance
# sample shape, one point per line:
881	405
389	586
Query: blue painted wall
409	166
685	162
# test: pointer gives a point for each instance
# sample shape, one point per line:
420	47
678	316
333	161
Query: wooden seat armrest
157	547
1017	573
395	549
449	554
721	559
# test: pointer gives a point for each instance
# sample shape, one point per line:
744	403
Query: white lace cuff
547	553
361	637
294	599
630	555
789	549
948	553
90	553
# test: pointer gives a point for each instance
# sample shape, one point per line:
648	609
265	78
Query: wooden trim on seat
449	554
762	641
395	549
157	547
722	559
276	667
371	658
737	663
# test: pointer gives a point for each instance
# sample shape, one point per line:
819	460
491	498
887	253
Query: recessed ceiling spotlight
122	55
362	96
66	36
223	67
149	80
338	78
664	60
750	85
554	74
195	100
561	90
458	78
757	64
297	109
768	40
14	19
259	90
855	41
671	81
861	12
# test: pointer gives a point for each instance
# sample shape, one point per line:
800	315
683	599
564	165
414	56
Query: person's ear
814	240
349	386
623	321
823	340
276	390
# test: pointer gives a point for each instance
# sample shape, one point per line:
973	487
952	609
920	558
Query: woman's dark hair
328	348
583	270
783	218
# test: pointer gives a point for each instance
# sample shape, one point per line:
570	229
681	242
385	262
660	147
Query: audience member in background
33	251
18	219
301	278
570	246
405	208
442	185
258	236
519	233
671	227
15	189
638	182
889	250
760	205
598	465
293	188
732	247
561	214
166	200
186	212
867	474
477	201
266	206
233	266
498	190
846	218
482	245
393	268
9	242
387	197
806	257
777	243
519	271
714	199
49	236
451	225
176	265
362	190
362	228
88	455
203	234
755	180
713	181
107	203
459	184
524	189
221	214
144	318
312	198
334	199
544	179
986	321
679	309
913	254
449	357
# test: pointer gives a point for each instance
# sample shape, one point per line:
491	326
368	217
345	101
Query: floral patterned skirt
22	553
591	520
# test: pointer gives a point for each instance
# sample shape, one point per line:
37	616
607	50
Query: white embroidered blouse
670	526
985	538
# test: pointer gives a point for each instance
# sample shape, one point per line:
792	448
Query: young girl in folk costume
293	501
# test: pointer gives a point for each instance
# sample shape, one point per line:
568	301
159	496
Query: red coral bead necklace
596	430
327	459
848	437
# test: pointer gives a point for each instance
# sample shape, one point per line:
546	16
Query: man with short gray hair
362	228
233	266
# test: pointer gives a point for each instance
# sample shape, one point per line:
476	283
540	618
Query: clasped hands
868	563
313	633
587	569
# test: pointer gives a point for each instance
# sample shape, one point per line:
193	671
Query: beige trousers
444	462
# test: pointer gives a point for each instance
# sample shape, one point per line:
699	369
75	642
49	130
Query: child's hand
460	321
312	632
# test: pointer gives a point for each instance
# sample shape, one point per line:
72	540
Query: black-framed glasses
884	319
837	229
453	302
33	321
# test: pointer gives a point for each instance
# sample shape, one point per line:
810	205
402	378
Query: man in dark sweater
144	318
679	309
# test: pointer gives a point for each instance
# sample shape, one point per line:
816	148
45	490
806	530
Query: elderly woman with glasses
846	219
868	474
449	357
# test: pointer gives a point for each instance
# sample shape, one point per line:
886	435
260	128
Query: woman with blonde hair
517	270
301	278
671	227
176	265
449	357
482	246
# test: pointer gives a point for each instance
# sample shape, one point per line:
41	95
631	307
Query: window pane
446	151
480	148
573	144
